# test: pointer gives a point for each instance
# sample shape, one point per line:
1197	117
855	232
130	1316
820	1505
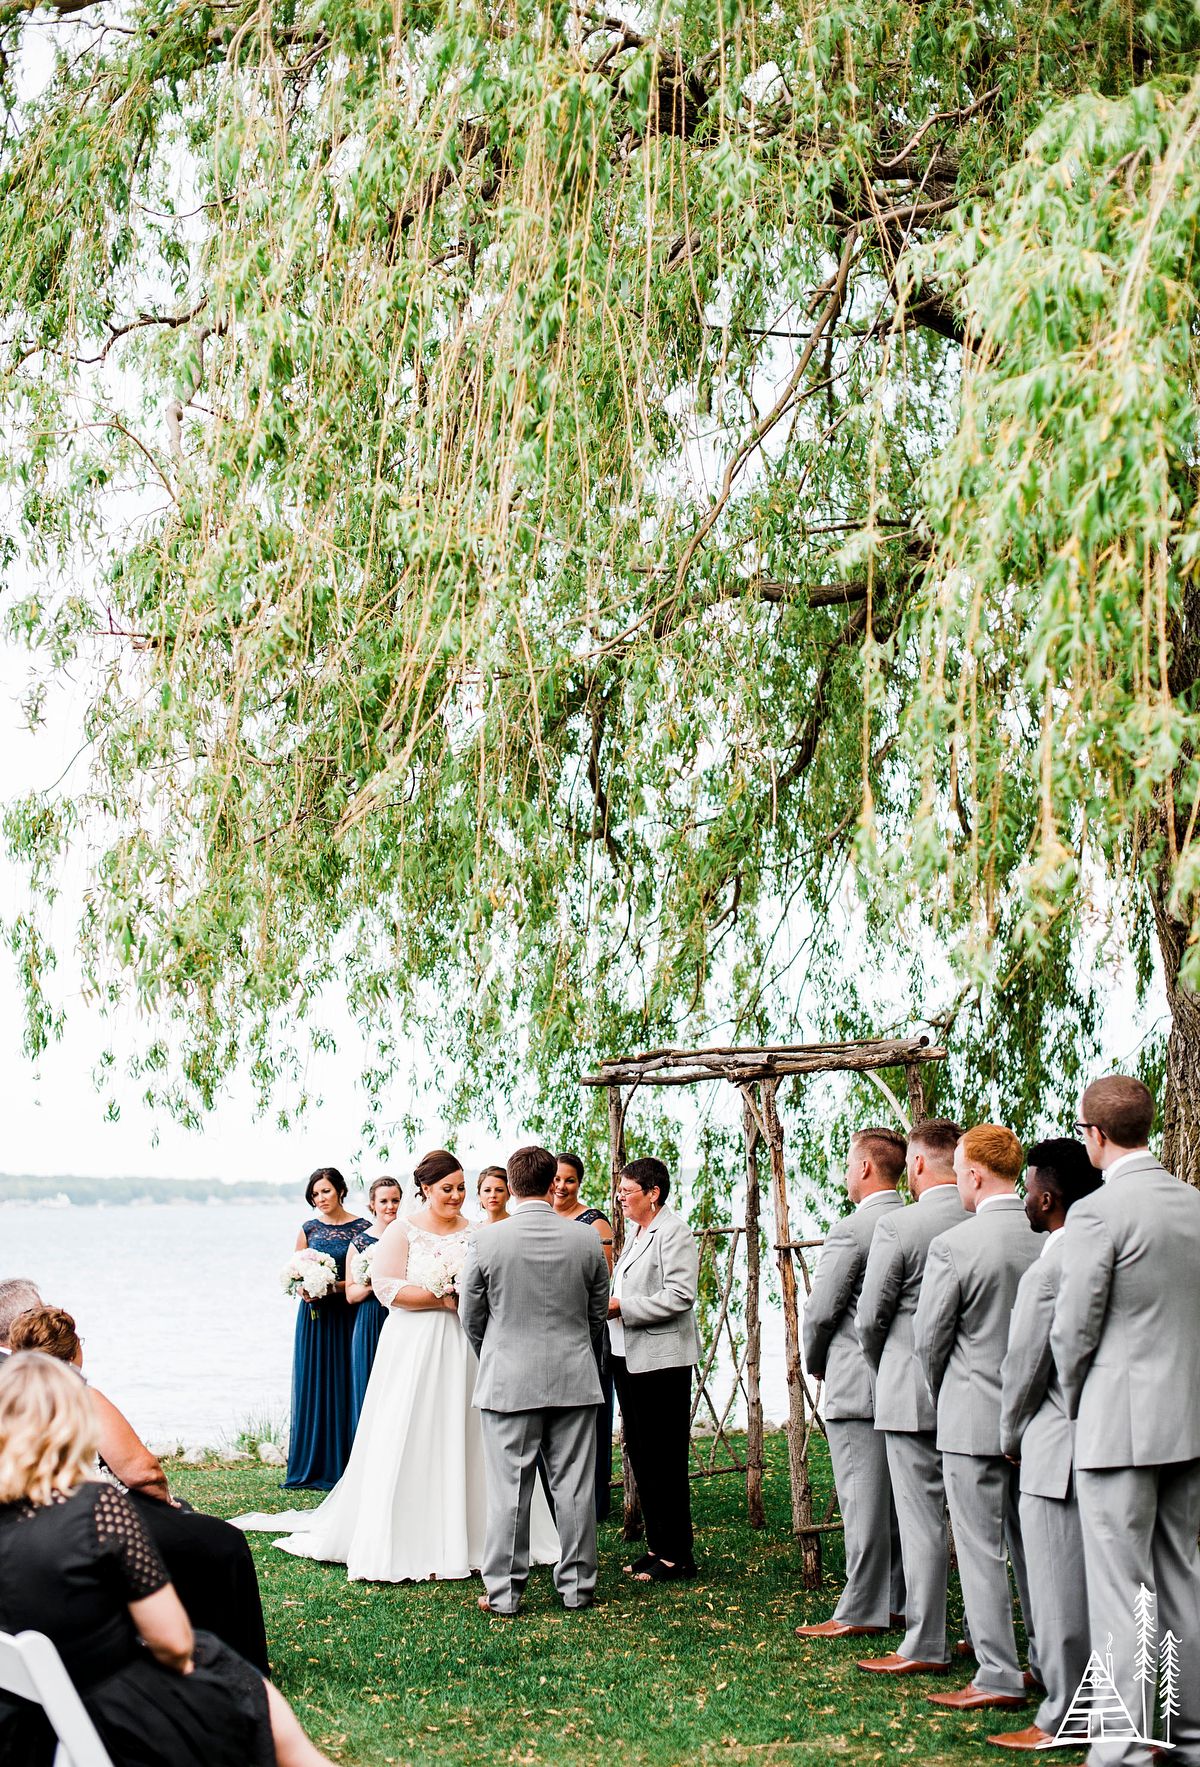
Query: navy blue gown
604	1411
321	1424
369	1316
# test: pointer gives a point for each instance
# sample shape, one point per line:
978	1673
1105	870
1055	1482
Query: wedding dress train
412	1503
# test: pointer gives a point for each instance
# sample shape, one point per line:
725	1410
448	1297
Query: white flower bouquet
437	1269
308	1276
358	1266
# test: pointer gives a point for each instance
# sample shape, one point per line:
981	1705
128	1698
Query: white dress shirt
1055	1233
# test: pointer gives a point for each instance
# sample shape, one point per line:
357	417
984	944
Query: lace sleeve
121	1535
389	1268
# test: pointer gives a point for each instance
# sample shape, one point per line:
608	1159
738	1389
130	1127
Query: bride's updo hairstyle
435	1165
48	1430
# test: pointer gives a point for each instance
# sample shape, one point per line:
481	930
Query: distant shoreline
68	1191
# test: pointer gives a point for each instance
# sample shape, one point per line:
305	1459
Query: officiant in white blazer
655	1346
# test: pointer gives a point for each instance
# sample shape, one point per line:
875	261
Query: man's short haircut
1063	1167
17	1295
531	1171
573	1160
997	1148
1122	1107
936	1138
649	1174
884	1148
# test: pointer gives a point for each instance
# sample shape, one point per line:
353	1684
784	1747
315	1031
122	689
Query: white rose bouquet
438	1269
358	1266
308	1276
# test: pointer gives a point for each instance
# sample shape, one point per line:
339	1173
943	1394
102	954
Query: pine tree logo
1098	1710
1168	1683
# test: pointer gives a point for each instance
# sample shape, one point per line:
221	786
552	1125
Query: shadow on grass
656	1674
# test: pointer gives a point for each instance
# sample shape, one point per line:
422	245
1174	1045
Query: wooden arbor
756	1072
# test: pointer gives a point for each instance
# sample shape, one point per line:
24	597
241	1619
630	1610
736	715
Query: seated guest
655	1346
960	1333
209	1563
493	1195
1035	1433
874	1594
77	1564
17	1295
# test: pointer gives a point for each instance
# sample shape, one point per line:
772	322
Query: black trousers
656	1408
212	1568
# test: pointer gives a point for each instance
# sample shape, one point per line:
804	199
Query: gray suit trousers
920	1495
1139	1527
977	1490
874	1576
1057	1599
565	1437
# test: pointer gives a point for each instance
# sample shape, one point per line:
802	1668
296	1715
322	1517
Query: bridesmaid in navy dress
564	1197
321	1428
383	1202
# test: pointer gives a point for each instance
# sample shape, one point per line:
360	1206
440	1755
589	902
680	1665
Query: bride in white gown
412	1503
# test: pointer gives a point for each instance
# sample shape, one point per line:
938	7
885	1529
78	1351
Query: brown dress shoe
895	1621
496	1613
964	1648
894	1664
1029	1738
837	1629
975	1699
1032	1684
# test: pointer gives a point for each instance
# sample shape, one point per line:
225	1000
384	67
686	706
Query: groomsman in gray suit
1036	1432
532	1296
874	1593
961	1335
1126	1339
904	1410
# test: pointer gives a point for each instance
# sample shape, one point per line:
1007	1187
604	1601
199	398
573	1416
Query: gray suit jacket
888	1303
961	1325
660	1274
1126	1334
831	1348
1034	1426
532	1295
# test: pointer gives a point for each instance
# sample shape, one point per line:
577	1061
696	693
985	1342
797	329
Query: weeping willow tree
1060	627
503	479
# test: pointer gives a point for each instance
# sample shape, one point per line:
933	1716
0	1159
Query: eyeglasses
1082	1128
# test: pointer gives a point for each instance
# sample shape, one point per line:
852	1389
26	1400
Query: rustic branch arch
757	1072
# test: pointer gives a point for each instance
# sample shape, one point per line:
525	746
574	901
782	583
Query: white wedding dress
412	1503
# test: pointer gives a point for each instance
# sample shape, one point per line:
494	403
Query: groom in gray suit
1126	1340
532	1296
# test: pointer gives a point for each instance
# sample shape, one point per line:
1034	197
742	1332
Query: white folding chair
31	1668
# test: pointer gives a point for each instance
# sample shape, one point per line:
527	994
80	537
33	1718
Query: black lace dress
69	1569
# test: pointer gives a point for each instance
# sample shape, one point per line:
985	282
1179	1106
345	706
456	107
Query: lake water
185	1326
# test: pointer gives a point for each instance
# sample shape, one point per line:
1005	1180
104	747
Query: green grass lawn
654	1674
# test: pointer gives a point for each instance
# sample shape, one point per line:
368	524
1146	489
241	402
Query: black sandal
659	1572
642	1564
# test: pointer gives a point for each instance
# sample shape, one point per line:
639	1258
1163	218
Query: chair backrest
31	1668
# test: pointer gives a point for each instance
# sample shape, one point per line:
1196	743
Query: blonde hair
48	1432
997	1148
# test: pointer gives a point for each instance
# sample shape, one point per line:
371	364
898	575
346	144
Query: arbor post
754	1411
914	1080
802	1516
632	1528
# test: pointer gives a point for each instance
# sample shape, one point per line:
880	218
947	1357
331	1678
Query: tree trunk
1180	1103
